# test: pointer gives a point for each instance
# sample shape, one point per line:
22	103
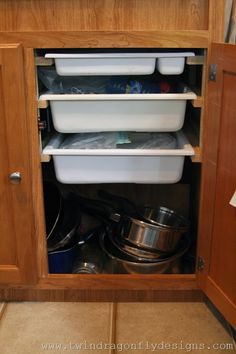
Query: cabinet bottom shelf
111	288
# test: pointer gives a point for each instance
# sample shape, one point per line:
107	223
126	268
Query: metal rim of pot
137	258
149	237
154	226
173	213
147	264
140	252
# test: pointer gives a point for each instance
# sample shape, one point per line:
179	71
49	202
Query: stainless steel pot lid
165	218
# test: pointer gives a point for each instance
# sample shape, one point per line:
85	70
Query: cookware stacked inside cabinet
117	117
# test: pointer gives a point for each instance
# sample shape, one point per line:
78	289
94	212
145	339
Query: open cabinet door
216	271
17	251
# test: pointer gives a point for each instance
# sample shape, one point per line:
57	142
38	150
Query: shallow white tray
118	112
118	165
119	63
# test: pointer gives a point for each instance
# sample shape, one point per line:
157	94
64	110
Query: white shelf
169	63
118	165
117	112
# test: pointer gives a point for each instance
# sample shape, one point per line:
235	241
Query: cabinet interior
183	197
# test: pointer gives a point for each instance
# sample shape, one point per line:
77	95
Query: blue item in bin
117	85
62	261
134	87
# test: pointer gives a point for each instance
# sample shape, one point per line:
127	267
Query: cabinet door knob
233	200
15	177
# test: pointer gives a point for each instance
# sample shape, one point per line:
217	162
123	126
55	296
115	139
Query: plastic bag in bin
119	140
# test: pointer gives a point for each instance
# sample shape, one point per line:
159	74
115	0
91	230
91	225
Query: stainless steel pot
90	258
139	252
134	254
157	229
119	264
151	236
165	217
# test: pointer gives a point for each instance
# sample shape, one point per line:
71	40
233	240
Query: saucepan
160	236
157	229
147	254
119	263
133	253
62	217
64	231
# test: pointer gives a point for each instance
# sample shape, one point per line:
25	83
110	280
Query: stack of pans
151	242
68	227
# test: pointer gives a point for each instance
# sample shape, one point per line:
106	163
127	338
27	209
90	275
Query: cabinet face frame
217	278
17	255
44	38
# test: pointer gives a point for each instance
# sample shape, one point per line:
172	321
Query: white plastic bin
118	165
169	63
118	112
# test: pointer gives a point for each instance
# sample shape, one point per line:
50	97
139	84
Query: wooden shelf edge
45	158
198	102
120	281
43	104
196	60
41	61
108	287
198	154
91	295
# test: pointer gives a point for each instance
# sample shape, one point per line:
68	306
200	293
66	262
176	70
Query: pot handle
99	208
86	237
123	205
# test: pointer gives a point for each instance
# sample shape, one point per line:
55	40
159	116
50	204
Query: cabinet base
103	288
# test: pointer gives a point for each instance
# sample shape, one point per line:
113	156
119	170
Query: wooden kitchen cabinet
115	24
218	217
17	251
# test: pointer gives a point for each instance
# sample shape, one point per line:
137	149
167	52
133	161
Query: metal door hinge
212	72
42	125
200	264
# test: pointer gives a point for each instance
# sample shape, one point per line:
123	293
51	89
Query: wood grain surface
103	15
17	256
217	241
93	24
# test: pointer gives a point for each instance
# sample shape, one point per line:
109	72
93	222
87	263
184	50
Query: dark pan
62	260
53	205
66	226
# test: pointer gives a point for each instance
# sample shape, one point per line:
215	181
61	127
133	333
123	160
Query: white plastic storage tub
169	63
118	165
118	112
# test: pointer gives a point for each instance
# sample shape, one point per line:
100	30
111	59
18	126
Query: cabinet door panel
223	258
219	276
17	263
